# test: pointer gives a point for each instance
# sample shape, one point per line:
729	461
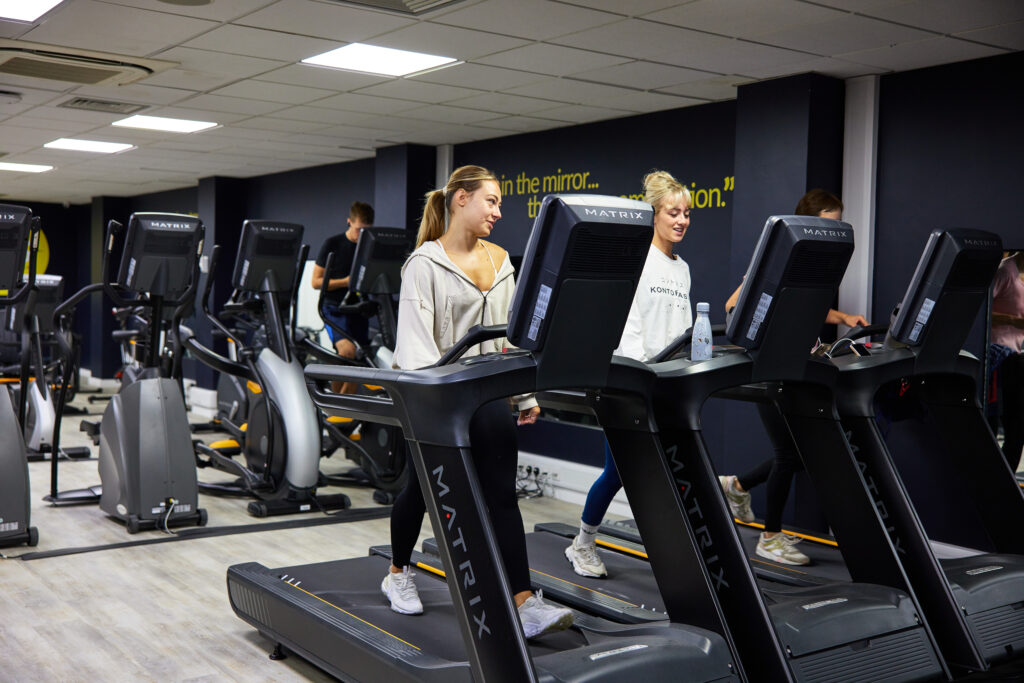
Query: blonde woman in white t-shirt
660	313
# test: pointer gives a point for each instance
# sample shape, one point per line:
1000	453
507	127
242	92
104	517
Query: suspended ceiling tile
13	29
219	10
64	128
716	88
233	105
92	25
1006	35
553	60
641	74
744	18
367	104
922	53
613	97
280	125
25	137
335	80
521	124
634	8
324	20
634	38
205	69
532	19
446	41
951	16
578	113
448	114
184	112
849	33
274	92
329	141
258	42
726	55
480	76
314	114
409	89
504	103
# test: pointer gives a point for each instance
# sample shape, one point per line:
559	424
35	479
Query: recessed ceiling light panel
26	10
88	145
164	124
24	168
374	59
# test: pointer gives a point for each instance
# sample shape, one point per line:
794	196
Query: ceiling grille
407	7
105	106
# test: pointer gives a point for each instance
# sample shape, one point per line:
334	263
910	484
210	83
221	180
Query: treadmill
583	260
820	630
972	596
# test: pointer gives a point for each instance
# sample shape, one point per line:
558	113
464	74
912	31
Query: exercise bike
146	469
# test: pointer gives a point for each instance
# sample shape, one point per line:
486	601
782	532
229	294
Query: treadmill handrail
477	334
682	340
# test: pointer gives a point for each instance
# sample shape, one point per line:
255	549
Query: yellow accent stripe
353	616
433	570
335	419
621	549
586	588
806	537
225	443
373	387
253	387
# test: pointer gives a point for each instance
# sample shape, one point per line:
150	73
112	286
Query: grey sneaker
400	589
739	501
780	549
538	617
585	560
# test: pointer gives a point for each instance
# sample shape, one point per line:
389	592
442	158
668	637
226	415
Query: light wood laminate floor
160	612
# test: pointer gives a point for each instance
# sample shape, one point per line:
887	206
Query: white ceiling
529	65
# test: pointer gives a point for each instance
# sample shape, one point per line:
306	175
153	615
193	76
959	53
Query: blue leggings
602	491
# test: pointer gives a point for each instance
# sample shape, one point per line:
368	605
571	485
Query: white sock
588	534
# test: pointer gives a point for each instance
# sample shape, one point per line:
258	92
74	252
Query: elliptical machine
19	232
147	475
281	447
378	449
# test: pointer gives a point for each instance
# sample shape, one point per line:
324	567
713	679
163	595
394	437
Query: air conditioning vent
406	7
105	106
30	60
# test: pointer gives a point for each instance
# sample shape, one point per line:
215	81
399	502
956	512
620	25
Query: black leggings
1011	374
777	471
492	431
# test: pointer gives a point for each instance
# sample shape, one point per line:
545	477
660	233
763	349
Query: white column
860	149
445	155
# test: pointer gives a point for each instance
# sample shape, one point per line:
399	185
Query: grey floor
160	612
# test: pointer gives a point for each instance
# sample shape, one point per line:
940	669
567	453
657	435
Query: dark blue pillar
402	175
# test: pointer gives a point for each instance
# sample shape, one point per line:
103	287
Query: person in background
455	279
777	472
343	247
660	313
1007	338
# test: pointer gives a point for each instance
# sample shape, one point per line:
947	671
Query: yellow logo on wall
42	255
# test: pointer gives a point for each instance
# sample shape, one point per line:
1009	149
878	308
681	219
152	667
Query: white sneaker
739	501
585	560
538	617
400	589
780	549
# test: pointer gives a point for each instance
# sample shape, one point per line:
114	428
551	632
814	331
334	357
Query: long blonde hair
467	178
660	185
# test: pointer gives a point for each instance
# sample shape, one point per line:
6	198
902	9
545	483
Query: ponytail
432	225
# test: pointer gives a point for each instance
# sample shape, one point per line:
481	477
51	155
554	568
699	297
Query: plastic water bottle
700	345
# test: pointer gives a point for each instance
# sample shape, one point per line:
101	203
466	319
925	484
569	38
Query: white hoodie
438	304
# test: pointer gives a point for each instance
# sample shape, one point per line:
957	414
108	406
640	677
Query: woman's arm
730	303
415	346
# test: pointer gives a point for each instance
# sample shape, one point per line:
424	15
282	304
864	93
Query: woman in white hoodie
451	282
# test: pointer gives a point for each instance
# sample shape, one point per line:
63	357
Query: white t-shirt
661	307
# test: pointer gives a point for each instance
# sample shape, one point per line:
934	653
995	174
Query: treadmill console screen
579	239
267	250
160	253
50	293
380	255
793	253
14	231
949	285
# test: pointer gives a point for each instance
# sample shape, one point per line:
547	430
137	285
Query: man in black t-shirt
344	248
